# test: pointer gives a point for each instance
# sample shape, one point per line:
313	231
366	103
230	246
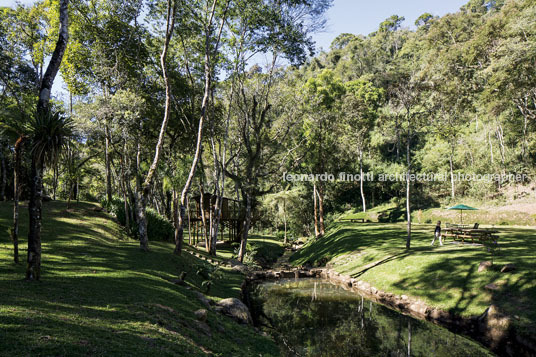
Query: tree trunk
176	222
189	221
55	182
285	220
204	104
55	60
452	193
245	230
142	224
361	180
203	217
408	193
317	231
409	337
107	168
16	194
3	170
33	270
71	187
320	193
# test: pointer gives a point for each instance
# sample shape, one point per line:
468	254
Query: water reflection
311	317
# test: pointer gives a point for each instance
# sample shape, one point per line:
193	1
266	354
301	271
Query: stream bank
492	328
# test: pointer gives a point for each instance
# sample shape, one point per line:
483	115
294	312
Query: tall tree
143	195
49	131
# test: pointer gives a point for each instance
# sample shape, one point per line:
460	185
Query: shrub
158	227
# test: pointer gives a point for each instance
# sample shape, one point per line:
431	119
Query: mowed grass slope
444	277
101	295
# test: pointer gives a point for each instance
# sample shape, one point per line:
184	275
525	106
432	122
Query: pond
312	317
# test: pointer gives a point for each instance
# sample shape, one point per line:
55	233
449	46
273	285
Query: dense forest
169	100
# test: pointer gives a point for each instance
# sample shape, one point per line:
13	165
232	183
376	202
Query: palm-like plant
50	132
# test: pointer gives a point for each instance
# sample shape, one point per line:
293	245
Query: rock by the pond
495	325
508	268
235	309
201	315
484	266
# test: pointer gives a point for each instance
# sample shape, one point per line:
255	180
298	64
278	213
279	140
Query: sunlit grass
101	295
445	277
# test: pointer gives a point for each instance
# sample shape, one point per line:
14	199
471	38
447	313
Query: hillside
101	295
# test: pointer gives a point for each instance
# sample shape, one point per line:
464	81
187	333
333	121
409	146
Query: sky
361	17
352	16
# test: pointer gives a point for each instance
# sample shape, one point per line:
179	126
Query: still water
312	317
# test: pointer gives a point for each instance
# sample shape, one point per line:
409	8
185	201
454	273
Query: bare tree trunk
490	148
55	60
70	194
189	222
55	182
107	164
453	192
33	270
408	185
176	215
320	193
245	230
203	217
409	337
317	231
361	180
397	133
204	104
16	194
285	220
142	221
3	169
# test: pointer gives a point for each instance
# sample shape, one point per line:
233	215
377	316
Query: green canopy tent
462	208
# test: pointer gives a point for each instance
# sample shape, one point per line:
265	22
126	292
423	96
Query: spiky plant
49	134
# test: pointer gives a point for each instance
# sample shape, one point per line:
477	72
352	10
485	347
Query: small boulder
203	327
178	282
240	268
235	309
201	315
483	266
508	268
203	299
492	286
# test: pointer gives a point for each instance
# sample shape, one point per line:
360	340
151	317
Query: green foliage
158	227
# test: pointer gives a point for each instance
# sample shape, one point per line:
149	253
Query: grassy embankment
101	295
445	277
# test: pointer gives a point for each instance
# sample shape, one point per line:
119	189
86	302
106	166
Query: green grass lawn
444	277
101	295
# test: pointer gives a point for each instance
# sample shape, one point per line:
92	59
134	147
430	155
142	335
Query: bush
158	227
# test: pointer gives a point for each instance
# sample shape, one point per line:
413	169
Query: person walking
437	234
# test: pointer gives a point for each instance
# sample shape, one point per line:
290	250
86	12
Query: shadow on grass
103	296
445	276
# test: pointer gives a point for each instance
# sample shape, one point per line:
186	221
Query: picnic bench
463	232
